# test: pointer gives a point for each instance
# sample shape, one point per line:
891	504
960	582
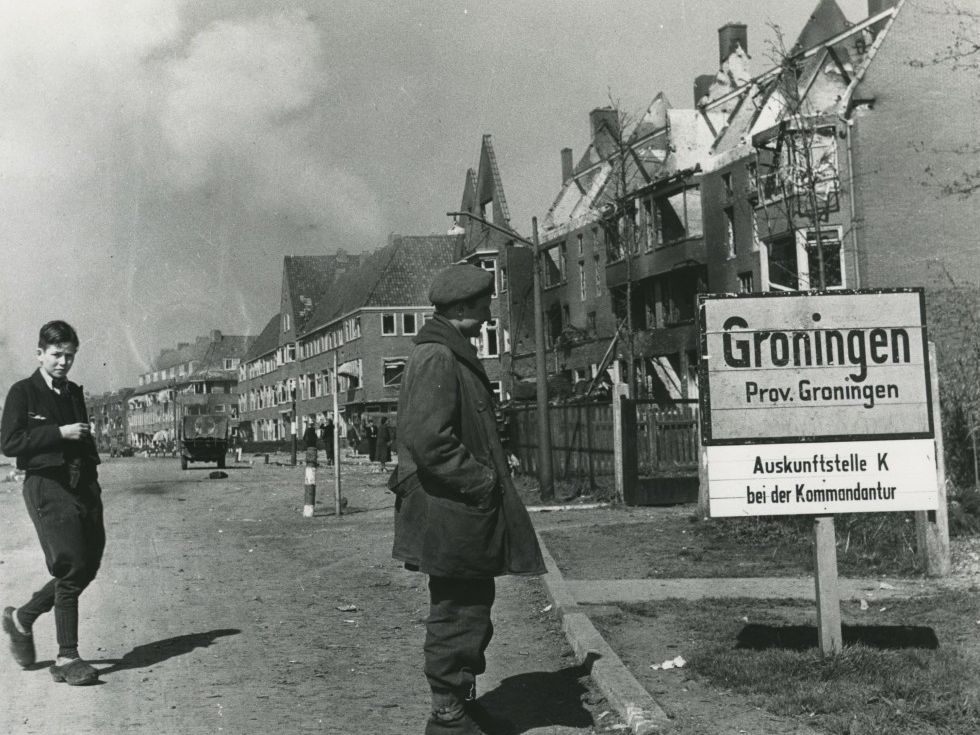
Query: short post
292	424
828	593
704	497
309	484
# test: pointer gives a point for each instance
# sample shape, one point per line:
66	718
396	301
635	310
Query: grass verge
672	543
908	666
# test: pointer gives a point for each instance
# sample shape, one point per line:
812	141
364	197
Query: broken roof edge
845	105
766	76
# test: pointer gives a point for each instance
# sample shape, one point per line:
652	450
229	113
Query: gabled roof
396	275
309	277
826	21
266	342
469	203
488	182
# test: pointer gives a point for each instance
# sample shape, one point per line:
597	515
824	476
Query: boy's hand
77	431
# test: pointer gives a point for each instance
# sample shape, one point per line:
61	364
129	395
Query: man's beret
459	283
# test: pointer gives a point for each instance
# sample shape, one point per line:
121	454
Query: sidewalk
580	602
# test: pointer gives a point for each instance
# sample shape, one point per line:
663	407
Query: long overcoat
382	449
457	513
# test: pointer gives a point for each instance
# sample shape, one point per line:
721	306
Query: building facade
357	337
191	379
108	414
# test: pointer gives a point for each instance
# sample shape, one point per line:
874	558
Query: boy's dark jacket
29	429
457	512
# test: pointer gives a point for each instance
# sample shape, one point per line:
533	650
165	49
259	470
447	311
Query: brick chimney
605	128
731	35
702	85
215	335
567	166
878	6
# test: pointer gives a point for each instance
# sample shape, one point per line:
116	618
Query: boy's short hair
57	332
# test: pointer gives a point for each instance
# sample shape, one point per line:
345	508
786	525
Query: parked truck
203	439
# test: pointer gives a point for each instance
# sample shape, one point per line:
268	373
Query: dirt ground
219	608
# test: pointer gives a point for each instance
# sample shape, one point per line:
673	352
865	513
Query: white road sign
817	403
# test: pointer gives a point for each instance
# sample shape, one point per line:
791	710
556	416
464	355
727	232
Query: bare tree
799	176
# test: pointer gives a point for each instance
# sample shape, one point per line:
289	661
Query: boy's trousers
69	525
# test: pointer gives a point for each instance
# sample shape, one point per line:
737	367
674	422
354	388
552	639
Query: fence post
932	527
620	390
704	509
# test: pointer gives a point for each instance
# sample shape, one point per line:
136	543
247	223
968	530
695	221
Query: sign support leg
828	592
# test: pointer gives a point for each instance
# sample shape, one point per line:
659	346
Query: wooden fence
661	441
581	439
666	438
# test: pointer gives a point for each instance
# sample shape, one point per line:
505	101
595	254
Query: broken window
554	265
794	260
394	369
554	326
831	256
678	216
782	264
678	294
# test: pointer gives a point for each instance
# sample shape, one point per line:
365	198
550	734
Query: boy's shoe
21	644
75	673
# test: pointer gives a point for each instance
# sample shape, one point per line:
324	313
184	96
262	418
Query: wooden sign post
816	403
828	593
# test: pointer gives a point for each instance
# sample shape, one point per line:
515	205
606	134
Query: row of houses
194	378
846	161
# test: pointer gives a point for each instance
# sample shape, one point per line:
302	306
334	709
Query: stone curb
627	696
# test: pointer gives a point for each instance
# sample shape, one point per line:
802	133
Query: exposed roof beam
857	28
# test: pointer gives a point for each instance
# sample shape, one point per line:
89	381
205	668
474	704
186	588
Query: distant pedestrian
309	442
45	426
382	449
458	518
364	441
326	436
372	438
353	437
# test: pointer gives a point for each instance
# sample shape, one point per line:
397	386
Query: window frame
394	324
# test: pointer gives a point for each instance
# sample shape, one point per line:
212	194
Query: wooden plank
828	593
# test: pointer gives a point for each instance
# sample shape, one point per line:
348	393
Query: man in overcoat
458	518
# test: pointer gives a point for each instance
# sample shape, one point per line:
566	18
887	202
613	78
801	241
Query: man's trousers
457	633
69	525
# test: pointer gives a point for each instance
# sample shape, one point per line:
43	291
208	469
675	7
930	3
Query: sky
159	158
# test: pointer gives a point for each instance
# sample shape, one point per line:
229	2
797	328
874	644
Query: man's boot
449	717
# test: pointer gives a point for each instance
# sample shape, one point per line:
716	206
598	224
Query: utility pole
176	421
546	480
338	505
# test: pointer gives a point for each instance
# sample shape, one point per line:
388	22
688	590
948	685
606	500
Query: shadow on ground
542	698
151	654
759	637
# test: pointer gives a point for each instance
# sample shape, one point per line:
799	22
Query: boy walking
45	426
